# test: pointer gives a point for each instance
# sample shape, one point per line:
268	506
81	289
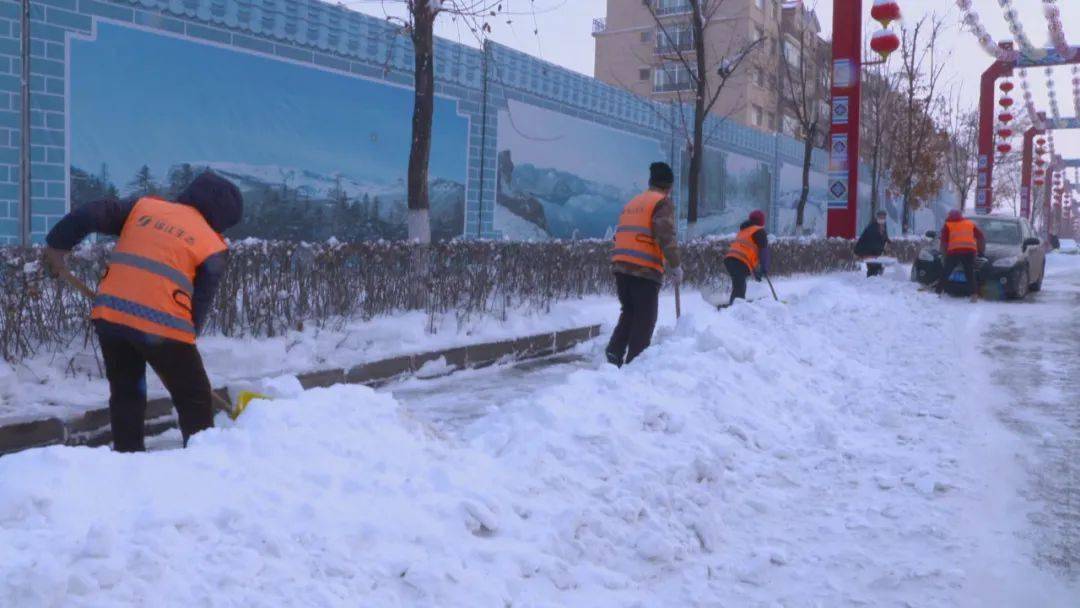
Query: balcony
668	8
679	44
599	26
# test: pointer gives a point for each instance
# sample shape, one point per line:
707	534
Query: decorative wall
307	106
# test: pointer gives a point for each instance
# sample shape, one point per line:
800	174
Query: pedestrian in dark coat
872	243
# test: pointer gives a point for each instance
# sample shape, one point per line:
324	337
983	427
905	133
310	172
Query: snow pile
803	455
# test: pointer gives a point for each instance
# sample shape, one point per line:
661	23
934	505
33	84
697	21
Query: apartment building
645	46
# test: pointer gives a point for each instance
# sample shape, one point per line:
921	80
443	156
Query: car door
1036	255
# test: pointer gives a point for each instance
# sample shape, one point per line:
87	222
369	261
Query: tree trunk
962	194
906	221
875	179
701	91
423	113
808	151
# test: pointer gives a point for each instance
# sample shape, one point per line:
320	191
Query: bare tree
685	52
917	171
418	22
881	105
961	159
802	91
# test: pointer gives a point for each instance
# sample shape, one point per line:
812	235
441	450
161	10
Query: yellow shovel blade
243	398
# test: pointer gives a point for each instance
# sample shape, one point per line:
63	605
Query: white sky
565	38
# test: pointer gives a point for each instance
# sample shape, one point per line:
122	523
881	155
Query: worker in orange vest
155	296
749	254
645	246
961	241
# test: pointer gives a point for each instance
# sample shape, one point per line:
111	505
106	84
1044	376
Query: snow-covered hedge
272	287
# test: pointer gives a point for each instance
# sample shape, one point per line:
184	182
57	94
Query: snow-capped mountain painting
564	177
316	153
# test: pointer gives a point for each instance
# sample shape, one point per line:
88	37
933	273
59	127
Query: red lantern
1006	86
1040	172
1005	117
1040	162
1040	151
885	12
1005	102
1041	141
1039	182
1005	133
1004	148
884	42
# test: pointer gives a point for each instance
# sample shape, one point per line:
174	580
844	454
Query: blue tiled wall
326	36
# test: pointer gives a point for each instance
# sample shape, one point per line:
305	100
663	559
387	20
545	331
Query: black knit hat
661	175
217	199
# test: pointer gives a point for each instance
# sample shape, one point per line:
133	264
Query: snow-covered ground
843	449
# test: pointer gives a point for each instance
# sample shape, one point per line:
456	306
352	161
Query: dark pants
873	270
181	371
639	299
739	272
952	260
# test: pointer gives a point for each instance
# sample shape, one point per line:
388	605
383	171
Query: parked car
1014	262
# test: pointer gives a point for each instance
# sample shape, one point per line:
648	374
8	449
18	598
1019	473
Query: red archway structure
984	192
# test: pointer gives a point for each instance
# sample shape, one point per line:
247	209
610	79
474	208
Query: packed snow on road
850	447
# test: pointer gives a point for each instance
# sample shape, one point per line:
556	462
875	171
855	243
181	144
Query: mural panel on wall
563	177
318	154
815	214
732	186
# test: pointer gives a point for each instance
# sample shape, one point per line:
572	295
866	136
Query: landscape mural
732	186
318	154
815	215
563	177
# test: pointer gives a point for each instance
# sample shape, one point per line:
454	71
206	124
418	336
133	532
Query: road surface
1034	350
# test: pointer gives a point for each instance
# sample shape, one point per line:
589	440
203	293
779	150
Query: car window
999	231
1025	230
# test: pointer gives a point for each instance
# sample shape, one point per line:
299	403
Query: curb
92	427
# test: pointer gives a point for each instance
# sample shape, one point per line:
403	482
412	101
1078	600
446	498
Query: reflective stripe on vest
744	249
149	284
962	236
634	240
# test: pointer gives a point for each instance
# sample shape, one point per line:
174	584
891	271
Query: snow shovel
243	398
771	288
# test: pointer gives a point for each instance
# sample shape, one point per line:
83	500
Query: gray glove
676	275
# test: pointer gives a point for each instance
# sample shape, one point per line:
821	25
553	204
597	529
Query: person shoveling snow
155	296
645	245
749	254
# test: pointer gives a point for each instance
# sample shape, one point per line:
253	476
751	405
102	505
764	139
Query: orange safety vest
962	236
744	249
150	280
634	242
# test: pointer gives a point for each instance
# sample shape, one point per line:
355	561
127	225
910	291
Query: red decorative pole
1025	171
984	187
843	188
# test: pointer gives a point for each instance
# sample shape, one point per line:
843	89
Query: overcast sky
565	38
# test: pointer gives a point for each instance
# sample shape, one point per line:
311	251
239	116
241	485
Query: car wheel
1037	285
1022	284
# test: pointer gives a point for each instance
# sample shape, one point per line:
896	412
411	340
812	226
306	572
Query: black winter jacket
873	240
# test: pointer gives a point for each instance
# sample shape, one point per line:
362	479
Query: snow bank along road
860	446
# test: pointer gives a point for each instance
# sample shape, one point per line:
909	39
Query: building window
757	116
646	37
760	4
792	54
770	121
672	77
644	74
671	7
676	37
